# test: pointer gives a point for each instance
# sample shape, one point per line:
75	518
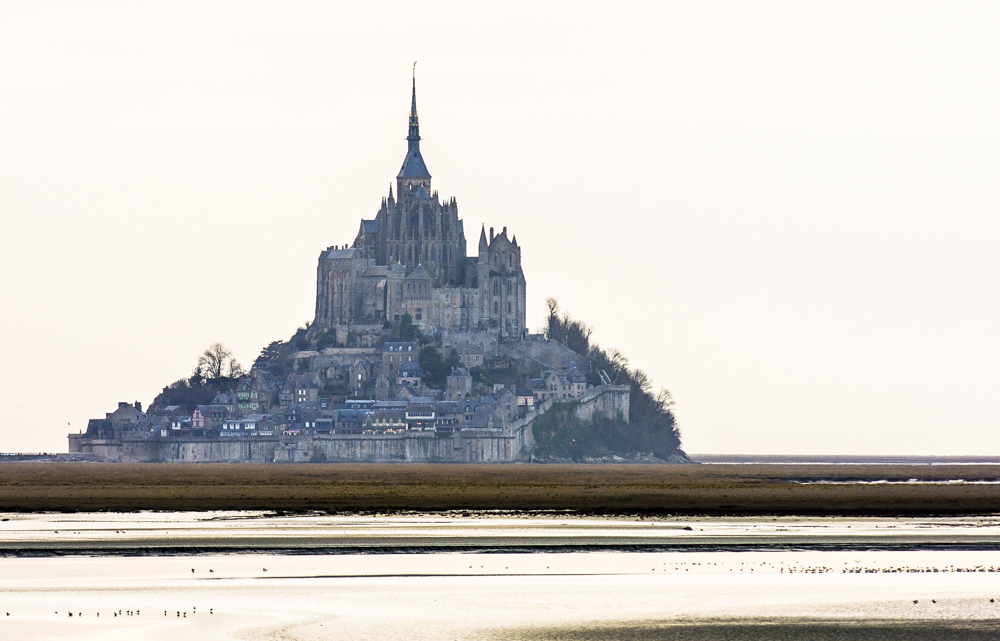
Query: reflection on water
787	594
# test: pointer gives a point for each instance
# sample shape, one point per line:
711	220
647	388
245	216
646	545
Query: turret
483	245
413	172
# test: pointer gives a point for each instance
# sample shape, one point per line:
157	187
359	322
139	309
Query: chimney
491	235
138	406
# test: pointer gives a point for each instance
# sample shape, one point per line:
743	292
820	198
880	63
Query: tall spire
413	165
414	136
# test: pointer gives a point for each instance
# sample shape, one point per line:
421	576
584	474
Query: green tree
298	341
327	338
407	331
269	356
435	368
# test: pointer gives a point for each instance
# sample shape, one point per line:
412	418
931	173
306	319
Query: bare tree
235	369
210	363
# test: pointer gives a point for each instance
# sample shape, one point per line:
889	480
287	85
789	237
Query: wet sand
201	533
587	489
574	596
260	577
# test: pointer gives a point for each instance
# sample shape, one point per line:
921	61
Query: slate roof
485	418
390	405
399	347
339	253
410	369
413	165
419	273
369	226
351	416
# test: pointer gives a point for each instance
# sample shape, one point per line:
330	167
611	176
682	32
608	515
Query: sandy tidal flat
501	596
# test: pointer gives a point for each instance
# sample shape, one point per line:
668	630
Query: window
496	307
509	310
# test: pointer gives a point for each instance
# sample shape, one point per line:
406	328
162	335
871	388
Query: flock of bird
781	568
135	613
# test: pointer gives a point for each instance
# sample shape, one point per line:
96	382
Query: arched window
509	309
496	307
508	288
496	288
510	260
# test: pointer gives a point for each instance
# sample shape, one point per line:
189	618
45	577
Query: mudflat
808	490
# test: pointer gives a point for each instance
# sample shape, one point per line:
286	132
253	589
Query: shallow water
495	594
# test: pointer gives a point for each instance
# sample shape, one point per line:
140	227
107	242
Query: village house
394	355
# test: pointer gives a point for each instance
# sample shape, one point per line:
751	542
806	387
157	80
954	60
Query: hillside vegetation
652	429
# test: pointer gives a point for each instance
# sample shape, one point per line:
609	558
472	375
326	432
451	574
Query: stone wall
468	446
510	444
606	400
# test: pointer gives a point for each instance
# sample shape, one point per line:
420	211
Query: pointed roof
413	164
482	238
419	273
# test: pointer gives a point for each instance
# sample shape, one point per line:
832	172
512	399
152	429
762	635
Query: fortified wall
606	400
471	446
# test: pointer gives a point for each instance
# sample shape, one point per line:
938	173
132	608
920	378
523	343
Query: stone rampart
605	400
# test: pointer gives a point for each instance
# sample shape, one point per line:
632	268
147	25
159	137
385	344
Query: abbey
411	259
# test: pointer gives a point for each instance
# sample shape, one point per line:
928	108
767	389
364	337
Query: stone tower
502	287
413	227
411	259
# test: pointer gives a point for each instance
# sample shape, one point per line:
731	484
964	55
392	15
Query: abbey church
411	259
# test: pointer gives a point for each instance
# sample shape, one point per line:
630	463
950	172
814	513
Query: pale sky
788	214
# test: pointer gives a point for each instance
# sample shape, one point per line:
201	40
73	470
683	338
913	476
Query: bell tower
413	174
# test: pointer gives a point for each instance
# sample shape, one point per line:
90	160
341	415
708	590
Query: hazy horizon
786	214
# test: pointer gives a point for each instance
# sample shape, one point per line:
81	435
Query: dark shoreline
770	629
598	490
223	550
